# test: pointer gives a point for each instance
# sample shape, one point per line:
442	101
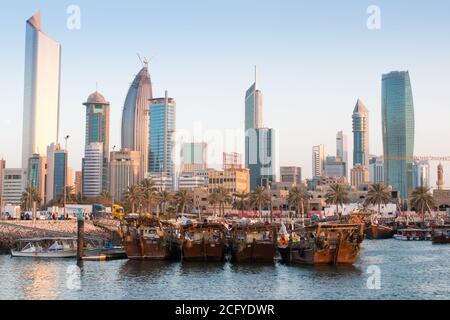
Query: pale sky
314	58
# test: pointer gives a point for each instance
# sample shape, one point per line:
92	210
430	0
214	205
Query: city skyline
292	152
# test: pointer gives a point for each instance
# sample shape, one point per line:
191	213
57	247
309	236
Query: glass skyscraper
162	131
262	160
360	135
398	131
41	91
97	129
135	118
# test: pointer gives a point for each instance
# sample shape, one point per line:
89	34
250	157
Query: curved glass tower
135	118
41	91
398	131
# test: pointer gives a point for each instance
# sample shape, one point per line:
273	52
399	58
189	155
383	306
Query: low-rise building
233	180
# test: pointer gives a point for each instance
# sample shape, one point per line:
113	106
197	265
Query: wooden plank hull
377	232
155	249
346	254
200	251
253	252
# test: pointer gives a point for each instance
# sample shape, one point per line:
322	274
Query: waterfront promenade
10	231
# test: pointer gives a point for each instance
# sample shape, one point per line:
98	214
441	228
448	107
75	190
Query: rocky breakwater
10	231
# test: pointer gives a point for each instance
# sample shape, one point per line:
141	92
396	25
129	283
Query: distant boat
203	242
254	242
441	235
324	244
378	232
413	235
45	248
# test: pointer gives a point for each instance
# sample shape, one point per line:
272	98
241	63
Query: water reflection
40	280
412	270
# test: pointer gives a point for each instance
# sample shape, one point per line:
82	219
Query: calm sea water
409	270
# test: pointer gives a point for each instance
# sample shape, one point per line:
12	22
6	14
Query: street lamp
65	174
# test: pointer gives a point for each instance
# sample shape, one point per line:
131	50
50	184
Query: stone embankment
10	231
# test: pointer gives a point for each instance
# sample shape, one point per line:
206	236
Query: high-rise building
398	131
421	174
162	134
2	169
260	142
124	171
135	118
440	175
360	135
232	180
37	171
254	106
60	172
97	128
376	169
319	156
342	150
93	170
359	175
291	175
262	157
56	172
78	182
13	186
334	167
232	160
41	91
194	157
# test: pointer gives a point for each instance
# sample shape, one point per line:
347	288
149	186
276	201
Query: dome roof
96	98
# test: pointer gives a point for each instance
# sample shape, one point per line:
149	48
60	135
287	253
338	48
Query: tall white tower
41	91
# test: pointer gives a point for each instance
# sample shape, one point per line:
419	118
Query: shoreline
10	231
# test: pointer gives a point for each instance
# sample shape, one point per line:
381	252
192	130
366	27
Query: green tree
133	197
240	200
183	197
223	198
298	196
421	199
337	195
378	194
149	193
29	196
213	199
260	198
164	199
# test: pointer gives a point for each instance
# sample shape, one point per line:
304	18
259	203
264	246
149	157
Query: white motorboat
45	248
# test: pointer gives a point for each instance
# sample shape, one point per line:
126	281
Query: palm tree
134	197
378	194
240	200
421	199
297	197
213	198
183	197
260	198
164	199
29	196
338	195
223	198
149	193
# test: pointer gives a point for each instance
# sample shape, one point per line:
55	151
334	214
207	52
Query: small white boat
45	248
413	235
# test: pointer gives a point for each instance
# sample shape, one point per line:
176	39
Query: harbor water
387	269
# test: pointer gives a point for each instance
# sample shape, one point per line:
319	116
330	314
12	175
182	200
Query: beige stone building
234	180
